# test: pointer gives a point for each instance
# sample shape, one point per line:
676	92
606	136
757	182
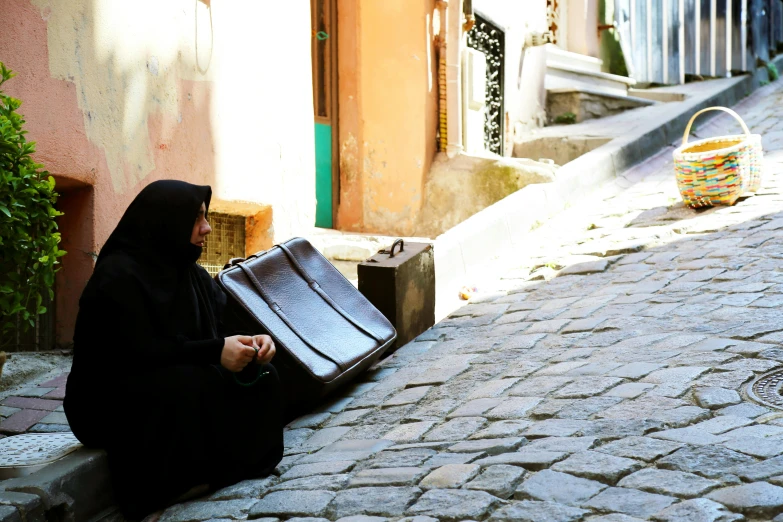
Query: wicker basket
717	171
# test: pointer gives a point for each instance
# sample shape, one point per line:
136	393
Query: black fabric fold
146	382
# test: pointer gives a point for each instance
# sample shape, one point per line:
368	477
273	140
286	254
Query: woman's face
201	228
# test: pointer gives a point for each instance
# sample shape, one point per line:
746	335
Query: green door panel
323	175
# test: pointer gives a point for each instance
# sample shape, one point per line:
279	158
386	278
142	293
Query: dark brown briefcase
402	286
325	331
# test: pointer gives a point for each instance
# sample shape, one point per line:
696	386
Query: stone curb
75	489
480	243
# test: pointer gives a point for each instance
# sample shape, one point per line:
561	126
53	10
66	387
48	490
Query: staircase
567	70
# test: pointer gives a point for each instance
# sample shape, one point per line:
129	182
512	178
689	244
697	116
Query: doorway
324	58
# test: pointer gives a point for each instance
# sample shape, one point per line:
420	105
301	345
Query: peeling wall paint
119	94
388	112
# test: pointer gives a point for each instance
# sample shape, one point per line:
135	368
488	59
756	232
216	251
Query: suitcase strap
343	365
320	291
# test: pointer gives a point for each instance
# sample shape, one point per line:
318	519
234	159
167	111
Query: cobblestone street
603	379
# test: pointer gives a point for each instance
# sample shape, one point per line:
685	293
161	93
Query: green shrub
567	118
28	232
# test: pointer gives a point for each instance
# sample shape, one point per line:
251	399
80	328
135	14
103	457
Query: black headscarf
152	243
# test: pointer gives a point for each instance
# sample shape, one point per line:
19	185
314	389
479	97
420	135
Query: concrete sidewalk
602	379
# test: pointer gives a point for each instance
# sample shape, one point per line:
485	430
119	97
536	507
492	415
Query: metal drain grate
766	389
24	454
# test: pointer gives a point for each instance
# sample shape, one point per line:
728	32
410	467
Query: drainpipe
440	43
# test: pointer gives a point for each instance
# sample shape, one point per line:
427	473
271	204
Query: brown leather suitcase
325	331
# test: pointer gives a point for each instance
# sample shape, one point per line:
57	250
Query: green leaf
5	210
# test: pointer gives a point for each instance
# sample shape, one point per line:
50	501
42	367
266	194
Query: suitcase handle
320	291
397	242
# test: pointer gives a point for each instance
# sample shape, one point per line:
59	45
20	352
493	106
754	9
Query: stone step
560	76
558	56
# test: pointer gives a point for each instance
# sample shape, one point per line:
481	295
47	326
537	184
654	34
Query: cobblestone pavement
601	380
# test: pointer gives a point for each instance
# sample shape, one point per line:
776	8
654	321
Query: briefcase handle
397	242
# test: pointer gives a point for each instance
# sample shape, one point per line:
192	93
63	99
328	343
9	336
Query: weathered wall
388	112
118	94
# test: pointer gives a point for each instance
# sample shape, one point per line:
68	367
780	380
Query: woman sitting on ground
154	379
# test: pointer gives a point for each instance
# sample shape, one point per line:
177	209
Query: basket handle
724	109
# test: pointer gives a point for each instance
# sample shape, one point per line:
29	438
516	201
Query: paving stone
745	409
587	387
320	482
759	430
312	420
253	488
630	502
688	435
389	501
360	518
667	482
454	504
722	424
560	368
321	468
562	444
450	476
539	386
759	498
31	403
583	325
556	428
347	418
715	398
629	390
707	461
756	446
21	421
614	517
400	459
500	480
474	408
643	448
534	511
697	510
7	411
50	428
444	459
492	388
513	408
530	459
409	432
438	374
502	429
597	466
549	326
387	477
323	437
456	429
561	488
196	511
408	396
418	519
762	470
488	446
682	416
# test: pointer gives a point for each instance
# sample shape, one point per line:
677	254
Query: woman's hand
266	348
237	352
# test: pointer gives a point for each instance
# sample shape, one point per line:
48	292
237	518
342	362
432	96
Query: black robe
146	382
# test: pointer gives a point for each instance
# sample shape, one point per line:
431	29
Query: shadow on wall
115	98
